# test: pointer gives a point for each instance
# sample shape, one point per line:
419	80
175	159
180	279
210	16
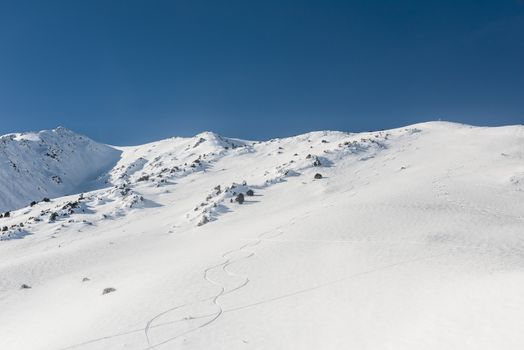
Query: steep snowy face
49	164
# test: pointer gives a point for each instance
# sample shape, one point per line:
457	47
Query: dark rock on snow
240	198
108	290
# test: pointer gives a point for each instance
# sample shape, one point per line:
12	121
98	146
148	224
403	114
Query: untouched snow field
412	239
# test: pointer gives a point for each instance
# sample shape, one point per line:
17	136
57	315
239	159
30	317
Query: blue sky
127	72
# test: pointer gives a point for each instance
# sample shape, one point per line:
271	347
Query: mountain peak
49	163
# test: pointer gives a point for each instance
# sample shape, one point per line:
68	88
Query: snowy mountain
49	164
410	238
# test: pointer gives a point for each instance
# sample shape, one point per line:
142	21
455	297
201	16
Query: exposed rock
239	198
143	178
203	221
53	216
108	290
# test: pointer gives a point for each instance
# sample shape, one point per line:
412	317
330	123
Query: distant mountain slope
49	164
410	238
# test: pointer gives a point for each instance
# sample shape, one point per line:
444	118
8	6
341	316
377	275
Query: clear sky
126	72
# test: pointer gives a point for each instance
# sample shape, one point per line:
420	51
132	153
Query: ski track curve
227	261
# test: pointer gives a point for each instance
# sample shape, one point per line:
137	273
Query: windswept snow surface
412	239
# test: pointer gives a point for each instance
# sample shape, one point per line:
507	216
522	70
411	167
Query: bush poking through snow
250	193
25	286
318	176
69	206
108	290
240	198
203	221
143	178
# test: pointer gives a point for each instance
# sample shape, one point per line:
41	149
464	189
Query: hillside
49	164
409	238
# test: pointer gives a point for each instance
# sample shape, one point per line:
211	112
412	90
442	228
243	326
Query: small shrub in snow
85	279
203	221
46	200
53	216
317	162
25	286
143	178
70	206
5	228
56	179
108	290
250	193
318	176
7	214
240	198
32	204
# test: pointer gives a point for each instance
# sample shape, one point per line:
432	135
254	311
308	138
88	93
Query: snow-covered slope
49	164
409	239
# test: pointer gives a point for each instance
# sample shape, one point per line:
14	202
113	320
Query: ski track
251	305
214	299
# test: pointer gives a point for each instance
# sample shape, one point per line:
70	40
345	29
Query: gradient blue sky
126	72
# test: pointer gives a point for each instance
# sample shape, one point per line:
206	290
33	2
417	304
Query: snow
412	239
49	164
